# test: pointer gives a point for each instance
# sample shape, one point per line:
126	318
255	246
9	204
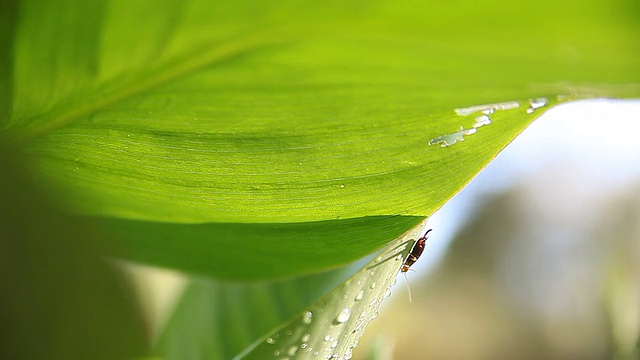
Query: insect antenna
406	281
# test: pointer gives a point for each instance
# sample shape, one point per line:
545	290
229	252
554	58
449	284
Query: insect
414	255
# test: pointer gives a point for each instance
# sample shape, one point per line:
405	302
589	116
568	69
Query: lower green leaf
215	320
331	327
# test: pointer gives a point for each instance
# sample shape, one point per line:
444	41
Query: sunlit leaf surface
225	113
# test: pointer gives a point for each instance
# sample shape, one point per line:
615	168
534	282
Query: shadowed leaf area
235	251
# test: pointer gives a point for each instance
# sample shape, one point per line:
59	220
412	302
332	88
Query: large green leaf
320	113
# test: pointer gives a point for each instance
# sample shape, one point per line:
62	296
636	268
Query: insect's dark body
415	253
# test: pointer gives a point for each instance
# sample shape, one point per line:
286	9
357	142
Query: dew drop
358	327
345	296
399	257
450	139
334	344
306	318
373	285
306	337
372	272
535	104
292	350
481	121
344	315
359	295
273	339
328	338
488	107
348	354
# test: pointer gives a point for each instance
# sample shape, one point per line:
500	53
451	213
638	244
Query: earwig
413	256
415	253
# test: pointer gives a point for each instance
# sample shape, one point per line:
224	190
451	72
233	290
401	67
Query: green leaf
331	327
225	113
215	320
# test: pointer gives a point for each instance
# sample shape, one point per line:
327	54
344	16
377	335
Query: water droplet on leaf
344	316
